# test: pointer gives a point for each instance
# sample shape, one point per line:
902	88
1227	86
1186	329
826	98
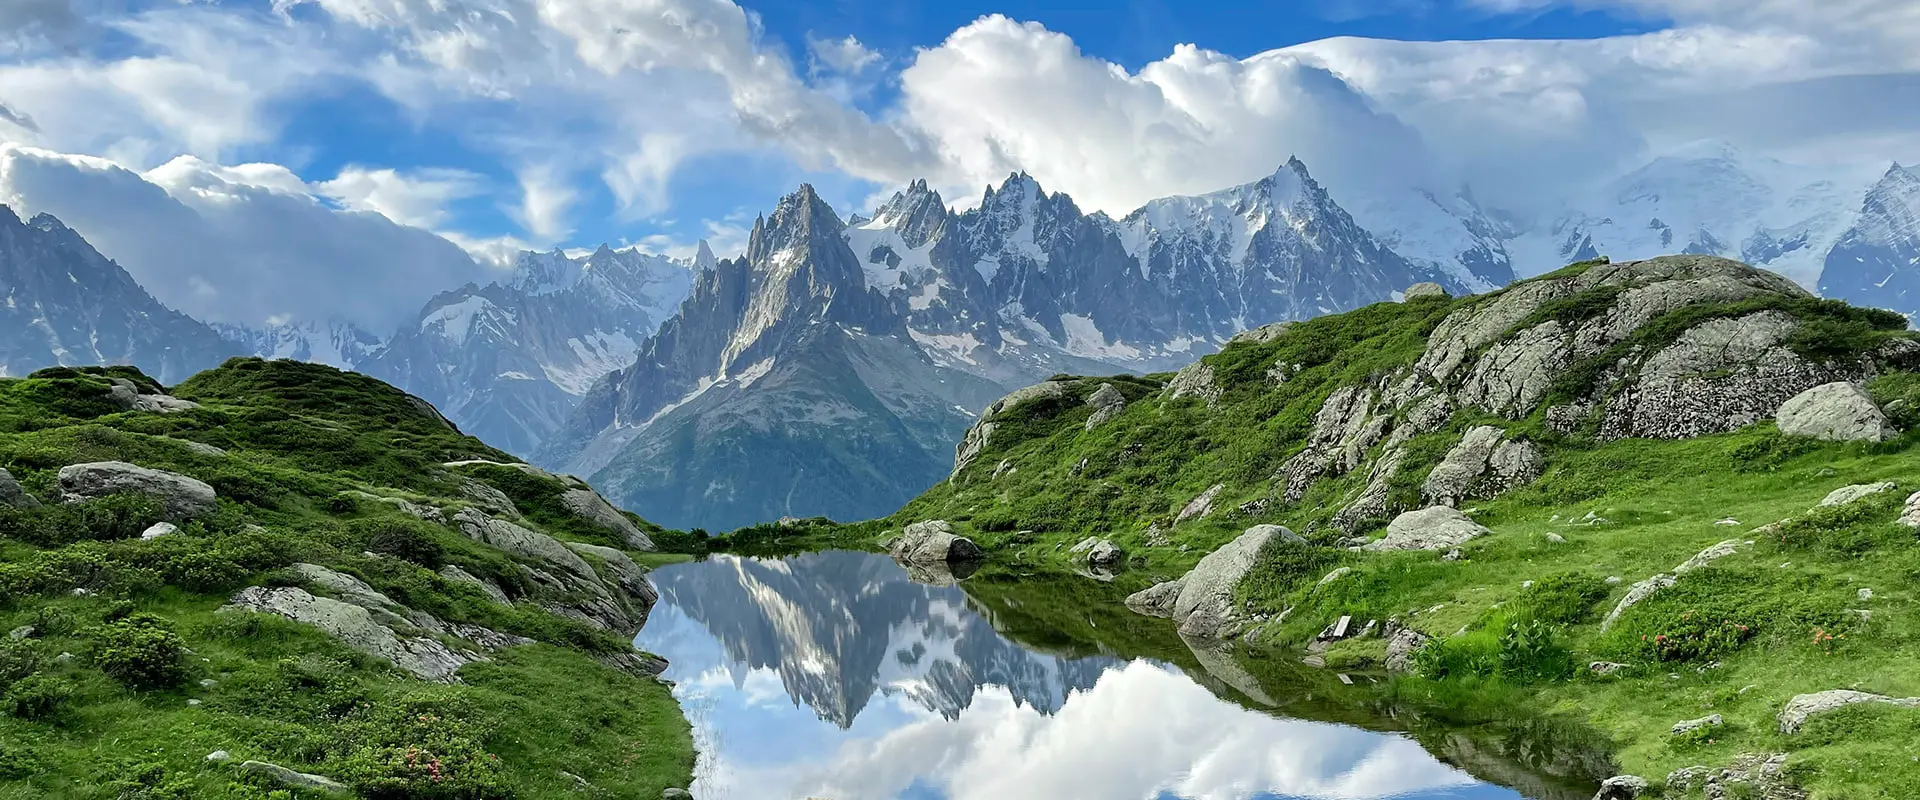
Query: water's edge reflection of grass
1482	728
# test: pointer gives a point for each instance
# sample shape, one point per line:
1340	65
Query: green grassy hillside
1647	394
123	673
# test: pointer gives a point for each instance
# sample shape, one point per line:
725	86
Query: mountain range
830	368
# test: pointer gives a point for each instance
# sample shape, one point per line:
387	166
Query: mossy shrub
402	537
120	516
141	651
425	746
39	697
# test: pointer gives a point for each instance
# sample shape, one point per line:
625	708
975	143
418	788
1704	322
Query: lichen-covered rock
1262	334
157	530
127	395
1622	787
980	434
1098	552
1201	505
1195	380
347	587
354	626
1402	644
934	542
1910	515
1839	412
488	498
1344	429
1156	600
588	505
11	493
1806	706
1107	403
518	541
1689	726
1721	375
491	589
629	574
182	498
1484	464
295	780
1434	528
1850	494
1428	289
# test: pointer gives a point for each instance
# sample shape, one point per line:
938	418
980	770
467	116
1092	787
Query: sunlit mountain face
835	675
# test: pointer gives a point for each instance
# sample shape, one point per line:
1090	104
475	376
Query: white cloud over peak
238	244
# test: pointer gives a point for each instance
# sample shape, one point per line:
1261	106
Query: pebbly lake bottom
839	675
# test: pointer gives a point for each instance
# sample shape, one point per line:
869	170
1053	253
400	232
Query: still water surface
834	675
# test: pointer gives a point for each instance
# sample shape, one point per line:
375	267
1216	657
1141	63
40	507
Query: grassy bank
1824	602
125	674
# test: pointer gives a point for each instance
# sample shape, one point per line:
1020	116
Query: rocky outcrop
1200	506
1622	787
181	498
1484	464
519	541
1807	706
1839	412
630	575
1721	375
1910	514
1420	290
1434	528
1402	644
980	434
423	656
588	505
1691	725
1202	601
300	781
1263	334
127	395
488	498
934	542
1196	381
11	493
1855	493
1647	588
489	588
1107	403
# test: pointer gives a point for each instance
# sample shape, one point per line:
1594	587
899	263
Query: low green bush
141	651
424	746
402	537
39	697
120	516
1563	599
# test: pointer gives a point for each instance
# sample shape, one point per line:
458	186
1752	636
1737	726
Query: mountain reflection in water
832	675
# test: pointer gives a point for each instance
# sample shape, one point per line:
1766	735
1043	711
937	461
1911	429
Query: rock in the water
1848	494
934	542
1402	644
1156	600
354	626
158	530
1622	787
1689	726
181	497
1435	528
1806	706
1099	552
1205	607
1427	289
1107	403
1200	506
292	779
11	493
1196	381
1840	412
590	506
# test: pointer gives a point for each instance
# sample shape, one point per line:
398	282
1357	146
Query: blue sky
497	125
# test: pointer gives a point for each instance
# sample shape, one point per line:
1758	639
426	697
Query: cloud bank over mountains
541	103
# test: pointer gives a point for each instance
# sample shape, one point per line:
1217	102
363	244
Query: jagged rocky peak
917	214
1877	261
